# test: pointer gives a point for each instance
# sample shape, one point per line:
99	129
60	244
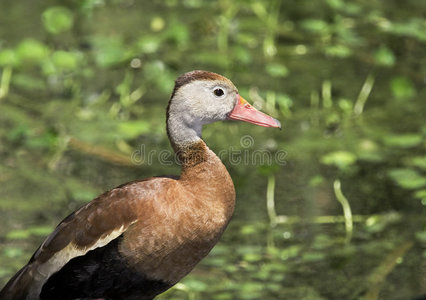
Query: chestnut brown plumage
141	238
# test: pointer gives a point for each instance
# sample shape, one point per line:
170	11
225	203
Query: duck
141	238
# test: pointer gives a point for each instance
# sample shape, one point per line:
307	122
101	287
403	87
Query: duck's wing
82	240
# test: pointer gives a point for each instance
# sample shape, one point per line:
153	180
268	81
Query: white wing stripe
59	259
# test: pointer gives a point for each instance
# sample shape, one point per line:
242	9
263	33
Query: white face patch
205	100
197	103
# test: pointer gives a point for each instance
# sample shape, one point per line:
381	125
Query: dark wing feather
101	273
107	214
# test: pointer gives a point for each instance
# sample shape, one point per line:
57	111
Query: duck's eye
218	92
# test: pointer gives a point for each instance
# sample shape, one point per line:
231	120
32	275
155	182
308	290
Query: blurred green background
337	207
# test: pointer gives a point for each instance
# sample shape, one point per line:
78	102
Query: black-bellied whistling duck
141	238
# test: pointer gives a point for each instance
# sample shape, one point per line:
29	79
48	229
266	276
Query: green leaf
40	230
65	60
421	236
413	27
384	56
313	256
251	290
57	19
345	105
159	74
242	55
340	159
110	51
252	257
12	252
149	44
249	229
30	50
316	26
179	33
195	285
407	178
402	87
18	234
8	57
338	51
403	140
421	194
336	4
417	161
28	82
276	70
288	252
132	129
316	181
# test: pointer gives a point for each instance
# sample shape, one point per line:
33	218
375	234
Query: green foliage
57	19
402	87
413	27
276	70
132	129
8	57
31	51
87	82
341	159
403	140
316	26
65	60
385	57
110	51
408	178
26	233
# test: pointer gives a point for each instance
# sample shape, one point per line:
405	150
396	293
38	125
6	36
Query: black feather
101	273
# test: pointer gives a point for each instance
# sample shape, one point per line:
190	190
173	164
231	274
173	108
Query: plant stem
346	210
283	219
327	102
363	95
377	278
270	200
314	108
270	102
5	81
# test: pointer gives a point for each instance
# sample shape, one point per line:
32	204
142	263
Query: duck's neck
187	143
202	170
183	132
192	155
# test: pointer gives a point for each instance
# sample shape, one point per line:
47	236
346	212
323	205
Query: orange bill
243	111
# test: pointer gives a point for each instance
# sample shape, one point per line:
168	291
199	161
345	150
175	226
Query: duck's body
141	238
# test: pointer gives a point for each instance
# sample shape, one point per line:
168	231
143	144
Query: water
91	86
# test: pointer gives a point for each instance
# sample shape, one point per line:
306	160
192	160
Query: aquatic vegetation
332	207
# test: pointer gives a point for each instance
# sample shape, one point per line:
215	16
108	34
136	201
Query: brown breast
182	219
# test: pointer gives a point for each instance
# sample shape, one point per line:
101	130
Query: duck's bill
243	111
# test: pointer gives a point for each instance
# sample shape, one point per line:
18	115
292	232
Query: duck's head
202	97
